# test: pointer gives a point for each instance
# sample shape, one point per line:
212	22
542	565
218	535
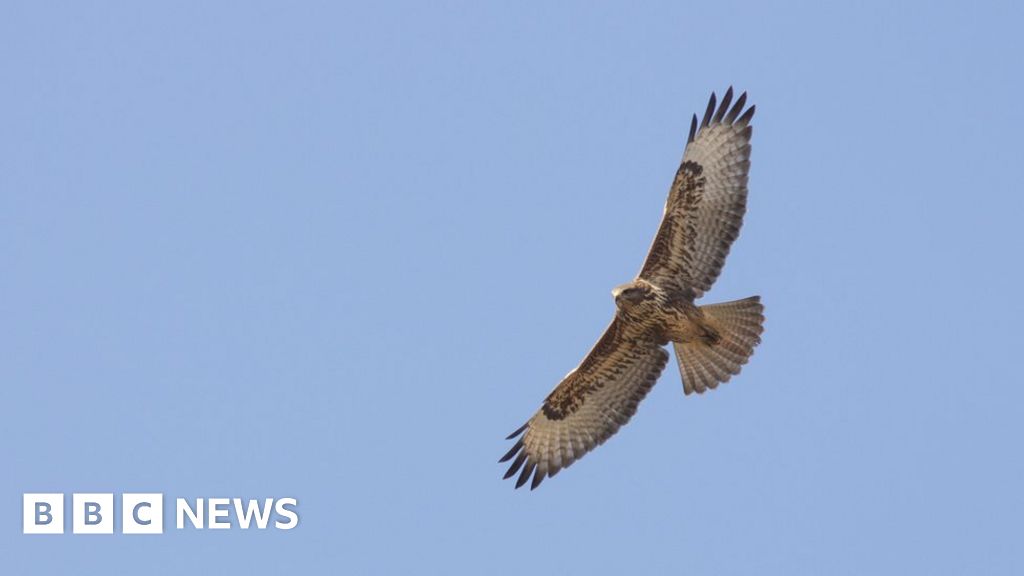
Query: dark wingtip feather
517	432
508	455
707	113
537	479
525	474
515	465
745	119
736	109
693	129
723	107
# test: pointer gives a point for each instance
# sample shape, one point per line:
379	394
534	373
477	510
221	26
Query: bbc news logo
143	513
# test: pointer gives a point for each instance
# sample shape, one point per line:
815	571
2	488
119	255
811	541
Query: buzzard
702	217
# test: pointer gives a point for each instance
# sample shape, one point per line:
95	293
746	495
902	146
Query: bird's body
661	315
702	217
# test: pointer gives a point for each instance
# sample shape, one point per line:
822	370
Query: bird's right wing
588	406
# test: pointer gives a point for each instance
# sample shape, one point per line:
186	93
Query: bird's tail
738	325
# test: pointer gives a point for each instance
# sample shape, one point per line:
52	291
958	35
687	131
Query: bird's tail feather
739	325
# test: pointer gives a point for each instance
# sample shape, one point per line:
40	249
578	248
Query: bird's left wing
589	405
707	200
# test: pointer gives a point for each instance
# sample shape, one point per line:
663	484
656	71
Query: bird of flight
702	217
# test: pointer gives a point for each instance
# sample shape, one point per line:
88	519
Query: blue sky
338	252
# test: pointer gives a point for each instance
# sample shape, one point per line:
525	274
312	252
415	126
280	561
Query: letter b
42	513
93	513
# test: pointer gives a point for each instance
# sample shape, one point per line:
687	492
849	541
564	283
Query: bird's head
630	294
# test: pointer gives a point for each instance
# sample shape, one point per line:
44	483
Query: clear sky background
337	253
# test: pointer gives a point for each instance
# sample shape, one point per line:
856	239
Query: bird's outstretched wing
588	406
707	201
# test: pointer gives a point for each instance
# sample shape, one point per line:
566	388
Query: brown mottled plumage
702	217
